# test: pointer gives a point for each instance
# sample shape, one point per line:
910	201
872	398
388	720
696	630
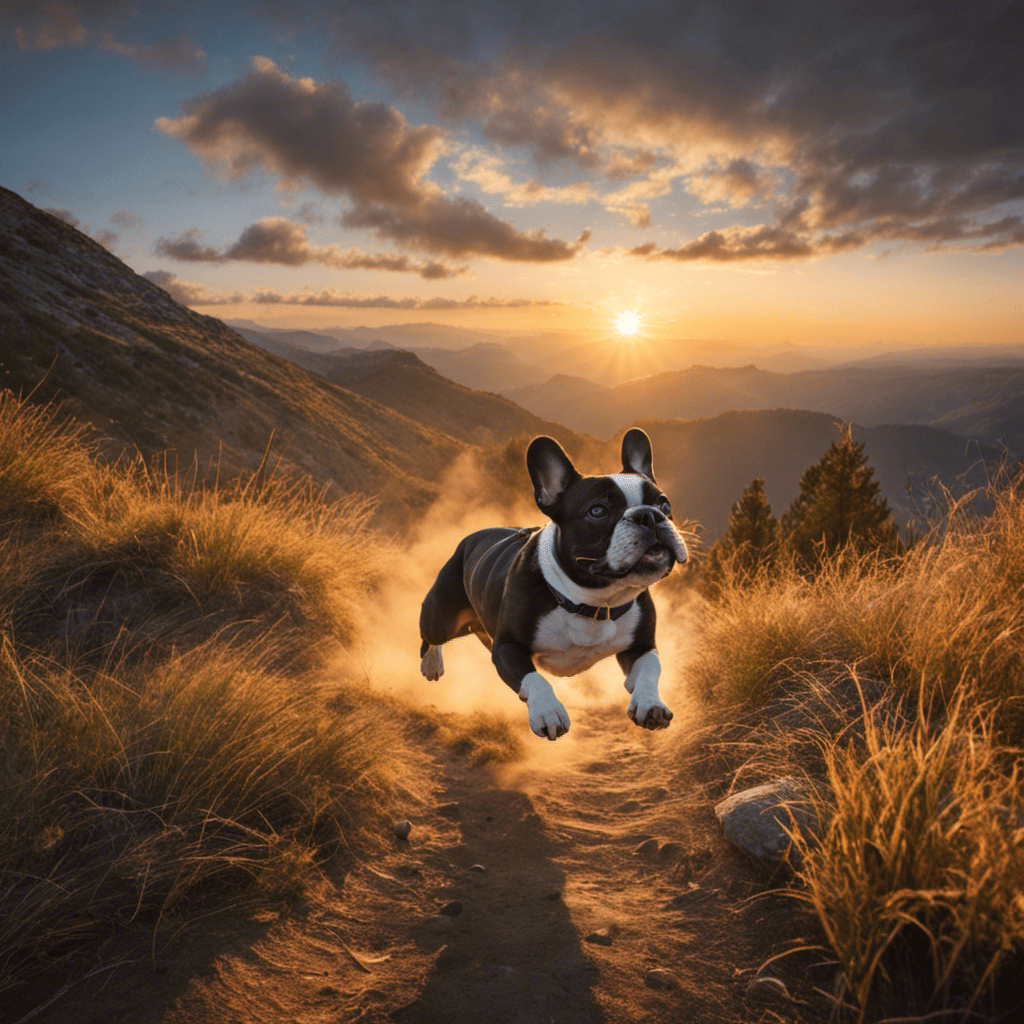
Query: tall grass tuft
46	473
917	878
166	744
130	793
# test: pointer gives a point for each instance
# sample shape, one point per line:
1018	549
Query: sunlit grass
916	871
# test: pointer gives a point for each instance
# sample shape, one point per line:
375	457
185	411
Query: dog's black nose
645	516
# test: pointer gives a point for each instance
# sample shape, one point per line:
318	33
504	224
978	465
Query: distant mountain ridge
984	402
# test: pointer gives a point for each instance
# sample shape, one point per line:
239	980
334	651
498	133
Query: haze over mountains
369	417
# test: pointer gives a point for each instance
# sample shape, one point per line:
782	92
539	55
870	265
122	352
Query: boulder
757	819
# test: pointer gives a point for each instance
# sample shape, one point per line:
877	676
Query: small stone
602	937
402	829
328	990
766	986
648	848
479	868
628	807
760	819
452	909
450	811
660	977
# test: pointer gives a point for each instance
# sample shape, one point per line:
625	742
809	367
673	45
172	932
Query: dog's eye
598	511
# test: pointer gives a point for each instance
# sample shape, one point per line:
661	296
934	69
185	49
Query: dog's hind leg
431	662
445	615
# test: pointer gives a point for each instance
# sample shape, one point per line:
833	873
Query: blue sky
855	175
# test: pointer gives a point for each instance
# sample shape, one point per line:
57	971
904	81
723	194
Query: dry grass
163	745
915	884
917	879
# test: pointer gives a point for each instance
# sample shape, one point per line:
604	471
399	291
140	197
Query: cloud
281	241
65	215
733	244
304	132
188	293
874	122
737	183
460	227
329	297
54	24
485	170
126	219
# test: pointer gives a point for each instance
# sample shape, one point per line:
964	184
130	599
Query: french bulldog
566	595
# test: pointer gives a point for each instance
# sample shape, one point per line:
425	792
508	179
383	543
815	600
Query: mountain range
152	376
983	402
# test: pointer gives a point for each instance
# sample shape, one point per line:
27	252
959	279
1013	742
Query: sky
805	173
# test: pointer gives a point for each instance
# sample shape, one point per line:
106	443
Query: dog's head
616	527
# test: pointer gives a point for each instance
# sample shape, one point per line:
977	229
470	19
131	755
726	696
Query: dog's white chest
566	644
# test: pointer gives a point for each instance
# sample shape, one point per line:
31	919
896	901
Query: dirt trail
596	869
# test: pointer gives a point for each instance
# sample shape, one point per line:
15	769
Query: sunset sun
628	323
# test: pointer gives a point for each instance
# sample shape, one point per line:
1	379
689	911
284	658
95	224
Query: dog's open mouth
657	556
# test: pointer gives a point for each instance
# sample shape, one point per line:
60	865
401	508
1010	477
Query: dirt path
545	895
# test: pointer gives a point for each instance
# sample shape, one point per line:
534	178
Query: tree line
839	507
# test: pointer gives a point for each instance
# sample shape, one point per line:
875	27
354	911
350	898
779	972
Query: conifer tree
839	506
748	547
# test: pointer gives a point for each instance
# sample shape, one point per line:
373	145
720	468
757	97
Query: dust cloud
386	655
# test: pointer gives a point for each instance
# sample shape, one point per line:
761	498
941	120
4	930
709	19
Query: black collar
598	613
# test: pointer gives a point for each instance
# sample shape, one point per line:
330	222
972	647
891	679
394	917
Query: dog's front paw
548	716
649	711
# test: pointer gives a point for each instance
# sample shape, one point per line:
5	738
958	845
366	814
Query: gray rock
402	829
756	819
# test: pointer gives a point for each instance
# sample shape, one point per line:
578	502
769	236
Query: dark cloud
281	241
876	121
305	132
53	24
460	227
302	131
126	219
735	244
187	248
65	215
188	293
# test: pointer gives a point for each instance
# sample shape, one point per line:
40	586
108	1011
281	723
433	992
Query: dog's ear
636	453
551	471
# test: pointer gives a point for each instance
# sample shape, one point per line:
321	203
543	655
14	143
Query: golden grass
163	742
131	792
916	881
917	878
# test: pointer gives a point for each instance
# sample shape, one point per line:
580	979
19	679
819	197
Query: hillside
705	464
983	402
151	375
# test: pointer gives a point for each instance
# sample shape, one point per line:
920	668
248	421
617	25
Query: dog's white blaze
567	644
632	486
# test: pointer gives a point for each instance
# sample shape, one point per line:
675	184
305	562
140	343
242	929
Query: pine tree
839	506
748	547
